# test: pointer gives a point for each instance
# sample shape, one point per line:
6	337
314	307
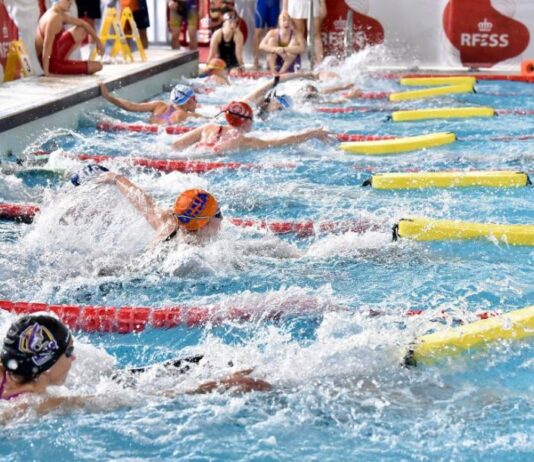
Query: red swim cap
194	208
216	64
237	113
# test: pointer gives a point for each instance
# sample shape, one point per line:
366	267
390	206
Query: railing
311	35
347	36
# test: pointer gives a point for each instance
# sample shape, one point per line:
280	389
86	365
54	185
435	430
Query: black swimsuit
227	52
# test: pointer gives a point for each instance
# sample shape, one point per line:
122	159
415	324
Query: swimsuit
2	386
61	48
267	12
295	65
213	141
165	117
227	52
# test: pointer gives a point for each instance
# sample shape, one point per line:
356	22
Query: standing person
54	44
184	11
227	43
283	46
89	11
266	17
140	13
299	11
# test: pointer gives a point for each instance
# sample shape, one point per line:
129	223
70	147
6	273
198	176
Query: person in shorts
181	11
266	17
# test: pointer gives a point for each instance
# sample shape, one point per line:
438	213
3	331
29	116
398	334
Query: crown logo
485	26
340	23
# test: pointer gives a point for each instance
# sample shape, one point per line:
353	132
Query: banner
8	33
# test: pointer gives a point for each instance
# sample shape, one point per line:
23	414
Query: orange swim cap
216	64
237	113
194	208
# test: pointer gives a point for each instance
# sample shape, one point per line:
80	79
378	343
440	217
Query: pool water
339	391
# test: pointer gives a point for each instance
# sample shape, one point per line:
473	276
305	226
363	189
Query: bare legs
79	34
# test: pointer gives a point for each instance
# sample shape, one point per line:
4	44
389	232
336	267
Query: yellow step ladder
18	62
111	30
128	19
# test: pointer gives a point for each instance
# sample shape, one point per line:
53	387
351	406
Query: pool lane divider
431	92
437	81
128	319
110	126
515	325
25	213
371	109
398	145
428	229
448	179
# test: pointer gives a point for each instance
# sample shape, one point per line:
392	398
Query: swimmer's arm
258	95
187	139
214	44
258	143
81	23
239	40
148	106
336	88
142	201
45	405
48	42
265	44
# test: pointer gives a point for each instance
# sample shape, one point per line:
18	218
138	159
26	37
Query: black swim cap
33	344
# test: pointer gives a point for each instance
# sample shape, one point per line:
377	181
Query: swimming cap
237	113
285	100
181	94
216	64
86	173
33	344
194	208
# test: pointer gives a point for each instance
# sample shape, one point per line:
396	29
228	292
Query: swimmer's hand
240	382
322	134
100	47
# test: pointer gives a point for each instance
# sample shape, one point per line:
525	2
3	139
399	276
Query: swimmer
54	44
195	214
239	115
181	106
283	46
215	72
227	43
38	352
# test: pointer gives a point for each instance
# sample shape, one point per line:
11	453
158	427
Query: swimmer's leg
79	34
288	62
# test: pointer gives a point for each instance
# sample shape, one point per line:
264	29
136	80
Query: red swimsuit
61	49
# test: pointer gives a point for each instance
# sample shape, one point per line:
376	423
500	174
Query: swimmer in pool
181	106
54	44
218	139
38	352
195	213
215	72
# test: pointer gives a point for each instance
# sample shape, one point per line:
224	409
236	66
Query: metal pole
347	36
311	35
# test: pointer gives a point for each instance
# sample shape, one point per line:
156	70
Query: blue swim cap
181	94
89	171
285	100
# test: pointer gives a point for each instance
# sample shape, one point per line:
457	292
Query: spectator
283	46
266	17
140	13
227	43
218	8
89	11
184	11
54	44
299	11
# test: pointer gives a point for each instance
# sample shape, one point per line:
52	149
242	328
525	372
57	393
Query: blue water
339	391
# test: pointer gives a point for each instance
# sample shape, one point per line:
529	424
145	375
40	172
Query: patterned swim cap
216	64
181	94
194	208
33	344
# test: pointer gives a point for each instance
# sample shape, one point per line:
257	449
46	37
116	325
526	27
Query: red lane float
113	126
349	137
128	319
169	165
18	212
509	77
26	212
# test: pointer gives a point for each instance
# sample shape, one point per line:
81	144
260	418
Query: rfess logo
484	37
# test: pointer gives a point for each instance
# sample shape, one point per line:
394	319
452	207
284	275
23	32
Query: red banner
8	33
483	35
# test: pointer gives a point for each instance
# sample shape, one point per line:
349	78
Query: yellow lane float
516	325
416	180
435	81
431	92
409	143
442	113
428	229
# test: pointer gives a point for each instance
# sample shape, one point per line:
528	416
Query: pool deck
30	106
